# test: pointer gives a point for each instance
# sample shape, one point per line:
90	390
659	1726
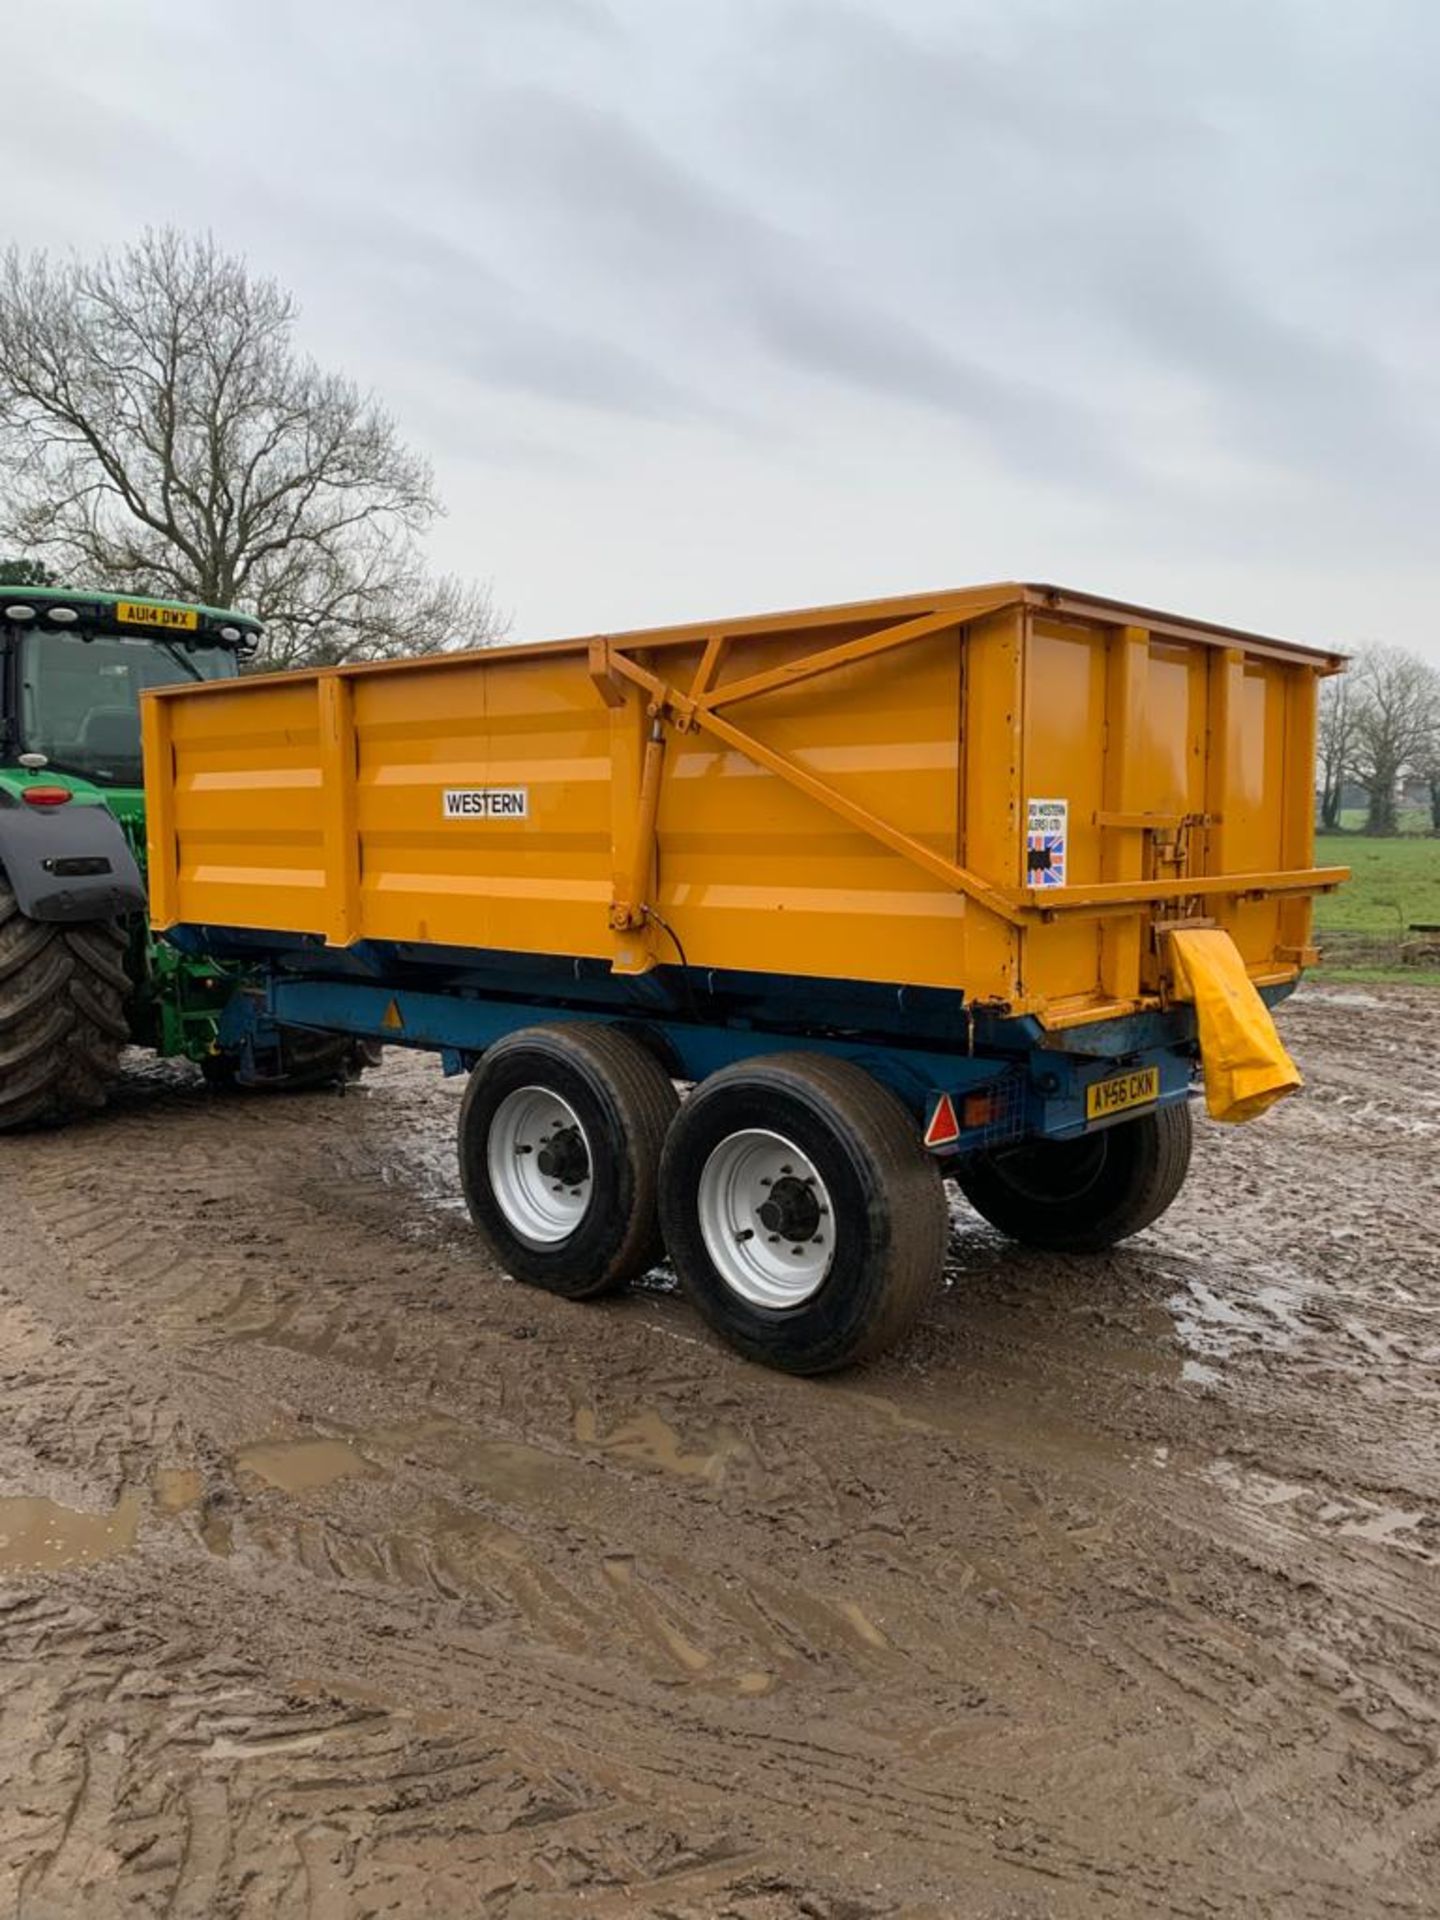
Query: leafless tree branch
1387	729
160	432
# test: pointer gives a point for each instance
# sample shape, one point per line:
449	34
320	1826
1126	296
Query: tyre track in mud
1115	1590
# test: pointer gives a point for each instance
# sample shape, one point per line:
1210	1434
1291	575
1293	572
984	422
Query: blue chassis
920	1042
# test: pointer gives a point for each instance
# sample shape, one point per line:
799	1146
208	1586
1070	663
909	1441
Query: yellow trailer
978	853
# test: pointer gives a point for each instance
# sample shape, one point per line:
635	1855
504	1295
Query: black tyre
62	1016
803	1216
1081	1196
560	1136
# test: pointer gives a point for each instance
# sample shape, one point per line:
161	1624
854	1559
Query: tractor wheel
62	1016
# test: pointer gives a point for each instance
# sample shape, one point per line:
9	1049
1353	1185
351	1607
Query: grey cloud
1300	392
461	313
1084	164
1128	290
620	198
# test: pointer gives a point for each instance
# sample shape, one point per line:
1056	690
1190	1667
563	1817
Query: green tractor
81	974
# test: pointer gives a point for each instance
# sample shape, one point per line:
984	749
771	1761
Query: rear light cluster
45	796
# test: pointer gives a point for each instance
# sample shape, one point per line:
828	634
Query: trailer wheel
560	1136
1081	1196
804	1218
62	1016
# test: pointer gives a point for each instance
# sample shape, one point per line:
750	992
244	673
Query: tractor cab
73	665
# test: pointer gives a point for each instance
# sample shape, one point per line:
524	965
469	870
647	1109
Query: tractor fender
69	863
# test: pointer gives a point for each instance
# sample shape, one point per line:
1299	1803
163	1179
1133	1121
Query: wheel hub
766	1218
564	1157
792	1210
540	1166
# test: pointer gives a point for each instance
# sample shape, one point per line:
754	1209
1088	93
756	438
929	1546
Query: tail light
45	796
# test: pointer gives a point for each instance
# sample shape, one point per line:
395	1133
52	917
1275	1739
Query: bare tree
1336	744
161	433
1397	714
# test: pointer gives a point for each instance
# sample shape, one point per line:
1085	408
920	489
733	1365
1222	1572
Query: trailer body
843	794
942	838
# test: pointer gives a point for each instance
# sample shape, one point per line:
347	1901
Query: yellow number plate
1125	1090
140	613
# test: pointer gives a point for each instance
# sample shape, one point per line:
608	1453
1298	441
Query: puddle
41	1536
1017	1422
861	1622
692	1658
619	1570
509	1470
1199	1375
302	1466
651	1441
1259	1489
1212	1325
218	1535
1323	1514
1382	1525
177	1489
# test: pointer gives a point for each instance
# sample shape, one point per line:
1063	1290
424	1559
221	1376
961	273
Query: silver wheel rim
766	1219
534	1156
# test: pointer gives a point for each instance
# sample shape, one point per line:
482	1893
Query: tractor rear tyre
62	1016
1082	1196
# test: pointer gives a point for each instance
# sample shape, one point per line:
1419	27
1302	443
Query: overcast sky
707	306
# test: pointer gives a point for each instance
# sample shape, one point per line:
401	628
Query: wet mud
340	1576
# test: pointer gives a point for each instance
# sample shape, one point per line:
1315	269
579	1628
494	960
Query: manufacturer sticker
486	803
1047	831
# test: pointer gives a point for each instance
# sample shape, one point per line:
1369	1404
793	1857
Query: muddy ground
339	1576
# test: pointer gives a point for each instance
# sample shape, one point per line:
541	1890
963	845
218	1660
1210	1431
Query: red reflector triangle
943	1127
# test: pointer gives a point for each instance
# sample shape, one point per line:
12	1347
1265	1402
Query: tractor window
80	696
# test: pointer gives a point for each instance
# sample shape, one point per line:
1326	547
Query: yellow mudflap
1246	1066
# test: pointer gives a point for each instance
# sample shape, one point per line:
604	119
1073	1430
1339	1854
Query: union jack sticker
1047	825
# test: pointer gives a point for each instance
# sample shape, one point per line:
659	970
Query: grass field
1412	820
1394	885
